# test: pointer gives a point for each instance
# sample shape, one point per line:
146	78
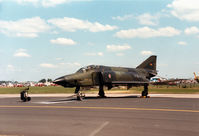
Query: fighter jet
165	81
196	77
99	75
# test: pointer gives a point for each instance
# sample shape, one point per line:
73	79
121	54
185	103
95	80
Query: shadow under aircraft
99	75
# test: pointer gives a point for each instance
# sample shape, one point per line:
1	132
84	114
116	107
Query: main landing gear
78	93
145	92
101	92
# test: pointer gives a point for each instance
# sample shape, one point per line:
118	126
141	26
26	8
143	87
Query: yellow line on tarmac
103	108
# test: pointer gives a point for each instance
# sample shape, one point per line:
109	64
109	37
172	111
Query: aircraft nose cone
59	81
65	81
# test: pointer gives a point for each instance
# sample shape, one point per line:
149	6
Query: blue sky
51	38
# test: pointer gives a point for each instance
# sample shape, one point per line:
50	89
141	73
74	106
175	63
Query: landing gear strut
78	93
101	91
101	87
145	92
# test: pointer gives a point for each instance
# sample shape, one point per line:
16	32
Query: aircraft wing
130	82
167	82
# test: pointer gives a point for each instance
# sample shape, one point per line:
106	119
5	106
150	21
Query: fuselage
94	75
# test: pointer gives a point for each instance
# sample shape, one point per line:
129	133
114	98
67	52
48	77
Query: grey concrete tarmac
112	116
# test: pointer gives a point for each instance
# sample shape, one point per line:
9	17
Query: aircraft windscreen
81	70
84	69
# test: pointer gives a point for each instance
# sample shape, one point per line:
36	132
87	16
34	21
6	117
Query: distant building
10	84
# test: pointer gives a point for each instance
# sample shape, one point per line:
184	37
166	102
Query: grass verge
59	89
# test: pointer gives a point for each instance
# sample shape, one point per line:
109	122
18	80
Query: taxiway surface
112	116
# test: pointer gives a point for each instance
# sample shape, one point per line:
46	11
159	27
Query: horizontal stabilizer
130	82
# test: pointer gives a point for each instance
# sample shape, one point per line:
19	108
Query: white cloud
27	1
21	50
91	44
100	54
21	53
119	54
191	30
60	65
29	27
63	41
162	65
52	3
11	68
94	54
47	3
59	58
48	65
73	64
185	9
146	53
146	32
69	64
143	19
148	19
115	48
123	18
73	24
182	43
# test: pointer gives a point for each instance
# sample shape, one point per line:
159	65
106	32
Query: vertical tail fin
195	77
149	63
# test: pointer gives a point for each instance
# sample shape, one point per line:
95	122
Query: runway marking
52	102
11	135
102	108
99	128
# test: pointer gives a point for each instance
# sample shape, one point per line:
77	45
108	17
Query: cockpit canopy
87	68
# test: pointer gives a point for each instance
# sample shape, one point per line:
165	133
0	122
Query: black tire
144	93
29	98
79	98
101	94
101	91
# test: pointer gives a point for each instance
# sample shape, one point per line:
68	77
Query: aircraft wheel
144	93
79	98
29	98
101	92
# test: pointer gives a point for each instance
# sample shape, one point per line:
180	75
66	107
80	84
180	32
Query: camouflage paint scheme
98	75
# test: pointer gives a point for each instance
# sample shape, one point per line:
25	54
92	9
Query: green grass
59	89
37	90
173	90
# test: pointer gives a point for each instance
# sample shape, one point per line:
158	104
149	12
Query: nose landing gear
79	94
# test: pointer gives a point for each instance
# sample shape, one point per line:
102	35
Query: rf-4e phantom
98	75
